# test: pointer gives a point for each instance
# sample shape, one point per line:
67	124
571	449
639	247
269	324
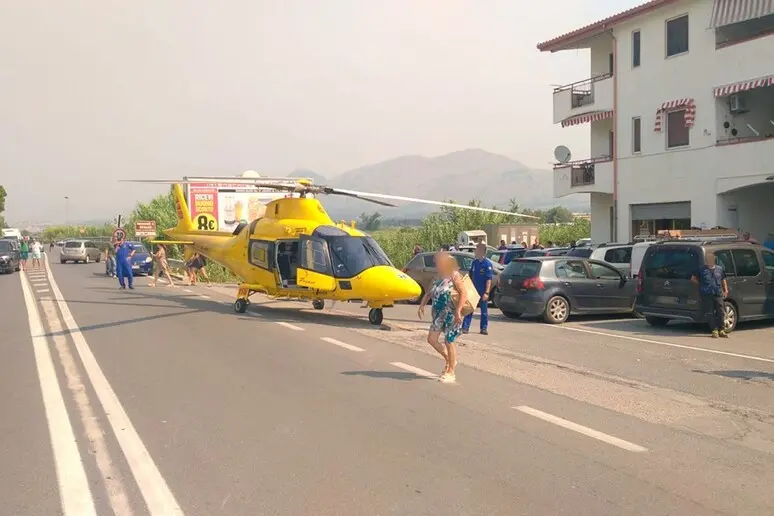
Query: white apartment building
680	100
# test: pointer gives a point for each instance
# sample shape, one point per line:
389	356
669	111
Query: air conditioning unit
736	103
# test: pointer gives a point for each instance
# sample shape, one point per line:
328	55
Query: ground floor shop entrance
649	219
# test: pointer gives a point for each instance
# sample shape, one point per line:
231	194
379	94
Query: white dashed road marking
575	427
411	369
344	345
290	326
154	489
662	343
74	492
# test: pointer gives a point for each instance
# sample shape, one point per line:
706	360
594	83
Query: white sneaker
447	378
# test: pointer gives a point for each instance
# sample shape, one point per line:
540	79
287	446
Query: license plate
243	292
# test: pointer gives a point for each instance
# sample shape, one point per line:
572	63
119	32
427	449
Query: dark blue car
142	261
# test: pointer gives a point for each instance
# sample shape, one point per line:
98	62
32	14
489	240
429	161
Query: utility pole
67	211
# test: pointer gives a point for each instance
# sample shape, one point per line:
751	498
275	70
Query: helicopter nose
391	284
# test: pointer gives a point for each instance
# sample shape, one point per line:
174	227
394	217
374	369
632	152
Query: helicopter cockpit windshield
351	255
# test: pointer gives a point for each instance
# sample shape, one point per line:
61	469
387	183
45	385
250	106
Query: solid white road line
290	326
411	369
575	427
158	497
74	491
662	343
344	345
119	501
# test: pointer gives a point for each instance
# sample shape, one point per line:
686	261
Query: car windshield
73	245
351	255
5	246
139	249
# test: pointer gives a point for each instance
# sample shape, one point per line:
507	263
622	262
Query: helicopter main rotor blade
365	195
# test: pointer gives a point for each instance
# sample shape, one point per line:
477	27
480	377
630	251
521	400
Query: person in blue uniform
124	253
481	273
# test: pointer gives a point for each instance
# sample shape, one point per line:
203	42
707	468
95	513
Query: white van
638	253
12	233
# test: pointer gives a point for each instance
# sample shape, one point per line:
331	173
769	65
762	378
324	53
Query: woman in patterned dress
446	316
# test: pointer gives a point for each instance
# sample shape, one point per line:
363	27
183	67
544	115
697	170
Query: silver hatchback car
77	251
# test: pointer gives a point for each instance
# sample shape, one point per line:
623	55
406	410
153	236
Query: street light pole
67	210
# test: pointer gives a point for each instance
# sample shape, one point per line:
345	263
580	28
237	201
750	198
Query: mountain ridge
459	176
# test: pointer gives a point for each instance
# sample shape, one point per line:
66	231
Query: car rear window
671	263
73	245
524	268
580	252
535	252
619	255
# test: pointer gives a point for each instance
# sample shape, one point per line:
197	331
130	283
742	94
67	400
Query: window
429	260
636	135
677	36
768	261
619	255
464	262
600	271
352	255
678	135
723	258
635	49
524	268
580	252
671	263
746	262
571	269
260	255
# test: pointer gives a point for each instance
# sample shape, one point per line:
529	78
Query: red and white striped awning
587	117
690	111
727	12
730	89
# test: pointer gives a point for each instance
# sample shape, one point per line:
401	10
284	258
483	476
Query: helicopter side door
315	270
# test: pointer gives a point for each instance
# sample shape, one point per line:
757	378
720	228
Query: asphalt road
164	401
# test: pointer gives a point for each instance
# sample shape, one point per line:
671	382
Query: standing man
481	273
713	288
124	253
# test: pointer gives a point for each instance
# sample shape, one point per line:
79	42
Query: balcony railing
744	139
582	92
582	175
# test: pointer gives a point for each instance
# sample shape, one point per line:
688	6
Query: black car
556	287
10	258
549	251
666	292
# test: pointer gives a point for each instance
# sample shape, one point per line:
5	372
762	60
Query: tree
371	222
160	209
558	215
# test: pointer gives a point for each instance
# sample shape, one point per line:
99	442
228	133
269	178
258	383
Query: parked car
549	251
142	261
556	287
638	254
617	255
422	269
80	251
666	292
505	256
10	258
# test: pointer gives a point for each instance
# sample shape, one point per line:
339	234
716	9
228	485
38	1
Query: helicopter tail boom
184	222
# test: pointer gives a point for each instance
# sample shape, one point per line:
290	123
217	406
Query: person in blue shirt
481	273
713	289
769	242
124	253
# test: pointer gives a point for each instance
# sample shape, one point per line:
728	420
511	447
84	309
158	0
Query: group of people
119	258
29	250
447	297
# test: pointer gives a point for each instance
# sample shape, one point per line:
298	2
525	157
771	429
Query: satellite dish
562	154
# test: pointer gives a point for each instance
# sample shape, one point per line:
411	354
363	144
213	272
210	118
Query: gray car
80	251
555	287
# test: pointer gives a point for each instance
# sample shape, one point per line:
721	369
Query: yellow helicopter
295	250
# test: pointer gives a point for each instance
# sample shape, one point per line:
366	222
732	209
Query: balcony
744	60
587	176
595	94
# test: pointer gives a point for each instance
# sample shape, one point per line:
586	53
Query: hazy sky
92	91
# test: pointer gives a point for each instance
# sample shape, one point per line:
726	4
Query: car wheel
511	315
557	310
656	321
730	318
492	297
